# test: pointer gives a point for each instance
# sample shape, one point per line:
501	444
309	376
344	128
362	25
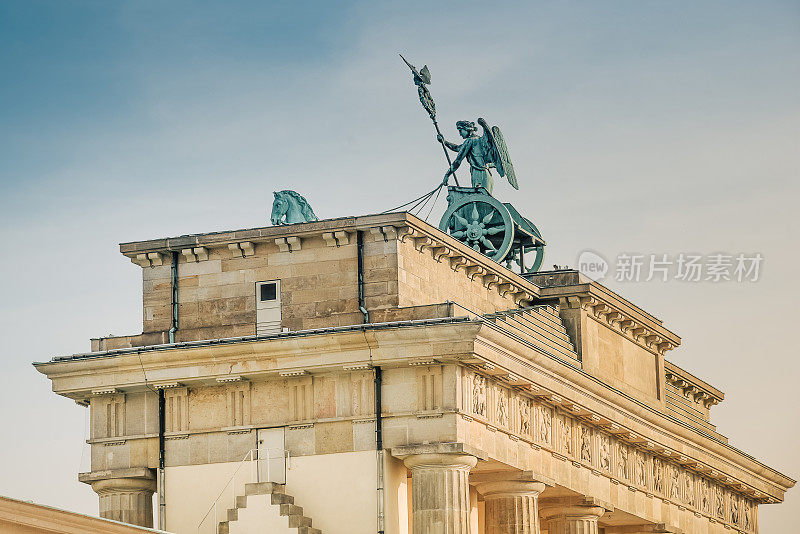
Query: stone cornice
295	353
402	227
573	290
692	387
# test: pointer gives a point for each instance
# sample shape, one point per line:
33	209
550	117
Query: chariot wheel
534	256
482	223
533	259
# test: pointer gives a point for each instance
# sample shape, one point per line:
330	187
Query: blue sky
656	127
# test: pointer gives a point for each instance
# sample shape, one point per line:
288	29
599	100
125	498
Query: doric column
439	486
511	506
572	519
126	495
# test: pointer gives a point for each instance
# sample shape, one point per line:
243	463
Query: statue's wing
486	141
498	152
504	156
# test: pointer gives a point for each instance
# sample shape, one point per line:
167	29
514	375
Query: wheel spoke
475	214
487	244
459	234
489	216
492	230
460	219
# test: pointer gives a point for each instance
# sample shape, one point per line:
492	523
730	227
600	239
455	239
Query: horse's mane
305	208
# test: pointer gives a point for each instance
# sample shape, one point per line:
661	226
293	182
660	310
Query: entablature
467	343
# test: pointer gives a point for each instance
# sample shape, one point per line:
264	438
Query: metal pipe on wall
379	446
360	253
162	499
174	327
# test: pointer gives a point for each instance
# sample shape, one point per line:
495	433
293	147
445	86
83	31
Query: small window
269	292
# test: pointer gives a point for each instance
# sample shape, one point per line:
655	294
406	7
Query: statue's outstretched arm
463	150
452	146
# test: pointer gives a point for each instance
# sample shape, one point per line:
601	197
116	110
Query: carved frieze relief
719	503
565	434
586	444
658	475
641	469
704	496
545	424
524	416
605	452
549	422
501	412
675	483
622	461
479	395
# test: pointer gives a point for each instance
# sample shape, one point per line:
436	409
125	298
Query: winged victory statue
473	215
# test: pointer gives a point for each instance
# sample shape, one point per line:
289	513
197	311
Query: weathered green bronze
493	228
422	79
473	215
290	207
482	153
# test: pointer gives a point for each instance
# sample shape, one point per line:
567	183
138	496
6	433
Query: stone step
559	336
299	521
294	513
544	317
262	488
281	498
548	312
538	339
538	324
291	509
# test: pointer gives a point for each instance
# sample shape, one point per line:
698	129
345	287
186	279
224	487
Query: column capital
511	501
132	474
439	485
453	449
509	488
573	515
462	461
125	494
577	502
575	512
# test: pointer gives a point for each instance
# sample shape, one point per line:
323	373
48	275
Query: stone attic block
508	403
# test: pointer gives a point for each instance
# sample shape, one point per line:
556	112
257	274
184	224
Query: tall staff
421	79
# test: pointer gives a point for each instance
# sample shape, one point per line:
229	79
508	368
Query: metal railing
249	470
